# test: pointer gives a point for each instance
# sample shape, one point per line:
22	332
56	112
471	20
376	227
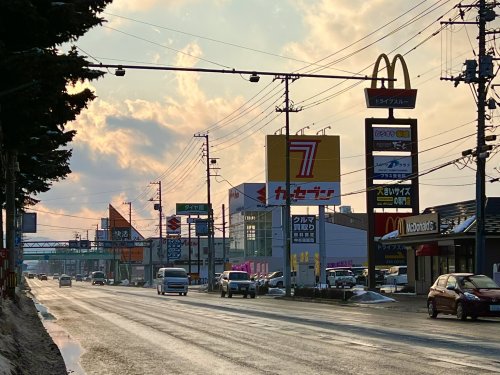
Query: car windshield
175	273
479	282
343	273
238	276
98	275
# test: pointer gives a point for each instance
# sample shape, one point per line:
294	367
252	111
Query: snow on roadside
25	345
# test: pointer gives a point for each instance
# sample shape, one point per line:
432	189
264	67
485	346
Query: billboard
314	170
391	167
303	228
392	196
387	138
247	197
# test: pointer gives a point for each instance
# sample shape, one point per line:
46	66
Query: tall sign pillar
391	153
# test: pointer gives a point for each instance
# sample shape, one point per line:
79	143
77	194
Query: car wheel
245	296
252	295
229	295
222	293
431	309
185	293
461	312
279	284
180	294
162	293
158	291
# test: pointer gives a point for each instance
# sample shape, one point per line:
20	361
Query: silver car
64	280
237	282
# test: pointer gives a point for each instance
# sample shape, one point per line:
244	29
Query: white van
172	280
98	277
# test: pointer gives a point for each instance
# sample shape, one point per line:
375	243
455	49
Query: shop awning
427	249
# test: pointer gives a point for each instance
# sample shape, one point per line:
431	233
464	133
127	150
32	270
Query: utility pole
211	255
224	255
158	207
481	74
286	215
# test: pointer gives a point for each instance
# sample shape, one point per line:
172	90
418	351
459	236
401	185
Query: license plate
494	307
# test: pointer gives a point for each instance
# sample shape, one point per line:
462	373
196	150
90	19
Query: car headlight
471	297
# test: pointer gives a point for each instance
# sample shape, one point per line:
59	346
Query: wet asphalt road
126	330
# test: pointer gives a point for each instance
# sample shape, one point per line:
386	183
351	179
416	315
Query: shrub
262	289
327	293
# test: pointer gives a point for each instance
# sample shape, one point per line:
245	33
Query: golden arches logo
394	223
390	97
391	67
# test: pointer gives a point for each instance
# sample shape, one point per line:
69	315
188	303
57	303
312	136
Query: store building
256	233
442	240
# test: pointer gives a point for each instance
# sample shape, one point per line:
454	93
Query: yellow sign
314	169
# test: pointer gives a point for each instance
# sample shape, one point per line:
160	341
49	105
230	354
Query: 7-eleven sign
173	225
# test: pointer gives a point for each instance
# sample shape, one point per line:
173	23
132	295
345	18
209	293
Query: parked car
43	276
463	295
397	275
340	278
64	280
273	275
55	276
379	277
237	282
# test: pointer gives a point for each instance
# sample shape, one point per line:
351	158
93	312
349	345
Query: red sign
173	225
388	222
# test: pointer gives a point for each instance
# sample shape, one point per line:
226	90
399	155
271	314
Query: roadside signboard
174	247
173	225
303	228
191	209
314	170
387	138
392	196
391	167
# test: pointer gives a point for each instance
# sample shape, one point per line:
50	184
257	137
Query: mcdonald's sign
388	222
390	97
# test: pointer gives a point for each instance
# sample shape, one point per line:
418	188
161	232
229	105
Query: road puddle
70	349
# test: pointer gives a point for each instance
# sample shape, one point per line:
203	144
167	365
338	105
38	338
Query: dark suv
236	282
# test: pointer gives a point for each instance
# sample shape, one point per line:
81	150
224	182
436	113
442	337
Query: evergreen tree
35	105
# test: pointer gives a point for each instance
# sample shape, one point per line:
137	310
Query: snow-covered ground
25	345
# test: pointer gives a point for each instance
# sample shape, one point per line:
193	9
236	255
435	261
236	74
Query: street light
322	131
301	131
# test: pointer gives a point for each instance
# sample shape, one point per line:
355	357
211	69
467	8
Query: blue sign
174	248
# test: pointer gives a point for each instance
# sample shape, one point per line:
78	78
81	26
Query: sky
141	128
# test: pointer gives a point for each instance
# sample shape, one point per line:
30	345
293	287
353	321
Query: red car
463	295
